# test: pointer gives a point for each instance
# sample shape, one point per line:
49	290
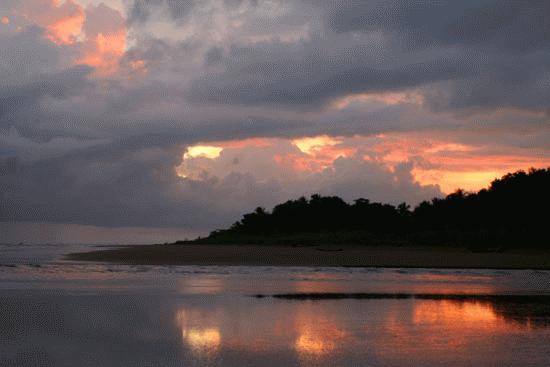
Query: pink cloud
435	160
97	33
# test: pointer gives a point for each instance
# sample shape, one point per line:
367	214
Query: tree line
512	211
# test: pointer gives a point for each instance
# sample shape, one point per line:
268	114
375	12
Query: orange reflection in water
317	332
452	284
428	332
201	285
452	314
441	332
318	341
201	340
318	283
444	328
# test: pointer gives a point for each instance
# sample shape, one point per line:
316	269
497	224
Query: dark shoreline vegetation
512	213
502	227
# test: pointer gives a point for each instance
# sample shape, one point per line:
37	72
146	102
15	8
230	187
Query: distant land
514	212
503	226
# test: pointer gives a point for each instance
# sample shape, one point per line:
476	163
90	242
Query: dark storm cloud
515	25
32	72
489	54
303	74
25	54
519	80
53	85
105	185
141	10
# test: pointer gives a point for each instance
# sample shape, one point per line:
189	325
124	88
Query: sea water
61	313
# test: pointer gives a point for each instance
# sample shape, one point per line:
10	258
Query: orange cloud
66	30
436	160
105	39
250	142
310	145
63	22
296	162
319	152
138	66
450	181
98	33
206	151
475	172
104	51
452	165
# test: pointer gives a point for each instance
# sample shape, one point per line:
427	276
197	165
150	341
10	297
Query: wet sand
352	256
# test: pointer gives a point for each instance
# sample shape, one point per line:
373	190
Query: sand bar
353	256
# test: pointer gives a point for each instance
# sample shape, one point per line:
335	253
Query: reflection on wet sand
515	311
316	334
391	330
318	341
455	314
110	315
448	332
527	312
201	340
122	329
201	285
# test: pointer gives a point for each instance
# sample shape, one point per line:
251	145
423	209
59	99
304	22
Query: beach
338	256
60	312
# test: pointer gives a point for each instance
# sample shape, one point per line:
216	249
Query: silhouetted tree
514	210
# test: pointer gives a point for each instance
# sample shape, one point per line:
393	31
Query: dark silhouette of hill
512	212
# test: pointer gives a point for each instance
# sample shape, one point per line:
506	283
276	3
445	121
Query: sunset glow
67	30
216	107
317	338
450	165
206	151
455	314
104	52
63	21
201	340
232	183
69	23
311	145
450	181
310	343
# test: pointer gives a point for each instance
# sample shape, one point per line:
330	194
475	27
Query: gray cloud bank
79	149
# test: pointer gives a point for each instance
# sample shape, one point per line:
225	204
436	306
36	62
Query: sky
135	120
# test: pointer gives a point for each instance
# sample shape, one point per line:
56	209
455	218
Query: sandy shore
317	256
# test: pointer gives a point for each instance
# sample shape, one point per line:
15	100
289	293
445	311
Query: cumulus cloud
109	187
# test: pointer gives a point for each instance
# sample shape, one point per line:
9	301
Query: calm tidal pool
56	313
